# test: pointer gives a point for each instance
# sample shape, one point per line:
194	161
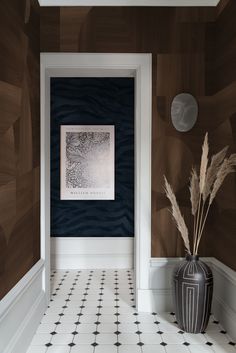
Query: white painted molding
92	252
224	303
105	65
21	311
10	299
128	2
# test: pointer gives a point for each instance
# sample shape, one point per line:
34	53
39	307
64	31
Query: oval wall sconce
184	112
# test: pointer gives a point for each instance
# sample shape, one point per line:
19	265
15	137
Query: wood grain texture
221	87
178	39
19	140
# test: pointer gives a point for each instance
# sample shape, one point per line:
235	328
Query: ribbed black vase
193	288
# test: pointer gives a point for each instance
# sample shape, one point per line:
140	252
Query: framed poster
87	162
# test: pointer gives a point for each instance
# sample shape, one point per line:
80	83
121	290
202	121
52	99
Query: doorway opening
137	249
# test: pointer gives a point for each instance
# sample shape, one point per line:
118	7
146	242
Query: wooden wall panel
221	87
19	140
178	39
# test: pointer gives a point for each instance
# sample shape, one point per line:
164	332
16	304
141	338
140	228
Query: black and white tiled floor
94	312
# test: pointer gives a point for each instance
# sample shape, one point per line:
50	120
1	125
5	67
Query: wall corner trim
21	311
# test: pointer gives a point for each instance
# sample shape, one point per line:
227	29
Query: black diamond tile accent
117	322
53	333
77	323
138	332
94	344
64	307
154	313
222	331
181	332
48	344
186	344
71	344
172	313
232	343
160	332
117	344
96	333
57	323
117	314
175	322
137	322
140	344
163	344
209	343
97	322
61	314
136	314
117	332
215	322
74	333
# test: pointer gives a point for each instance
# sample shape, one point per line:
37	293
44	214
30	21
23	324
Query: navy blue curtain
94	101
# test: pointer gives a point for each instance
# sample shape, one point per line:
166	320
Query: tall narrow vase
193	288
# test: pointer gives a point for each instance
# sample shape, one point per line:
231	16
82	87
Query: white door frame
100	65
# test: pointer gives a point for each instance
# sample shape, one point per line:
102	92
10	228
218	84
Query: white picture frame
87	162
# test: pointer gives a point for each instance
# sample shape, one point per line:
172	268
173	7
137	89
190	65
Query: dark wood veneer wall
19	140
221	89
181	42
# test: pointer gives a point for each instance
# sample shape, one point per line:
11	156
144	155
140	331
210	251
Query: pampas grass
213	169
204	162
179	219
203	190
194	191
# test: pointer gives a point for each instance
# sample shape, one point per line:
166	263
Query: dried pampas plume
204	162
194	191
203	190
177	215
227	167
212	171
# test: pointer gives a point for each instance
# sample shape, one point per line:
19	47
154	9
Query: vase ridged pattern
193	288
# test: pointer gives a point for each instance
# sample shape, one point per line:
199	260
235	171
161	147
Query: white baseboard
159	297
94	252
224	298
21	311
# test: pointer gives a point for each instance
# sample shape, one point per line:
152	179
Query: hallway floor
94	312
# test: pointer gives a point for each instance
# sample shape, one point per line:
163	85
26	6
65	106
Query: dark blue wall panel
94	101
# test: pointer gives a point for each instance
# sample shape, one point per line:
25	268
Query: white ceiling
128	2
